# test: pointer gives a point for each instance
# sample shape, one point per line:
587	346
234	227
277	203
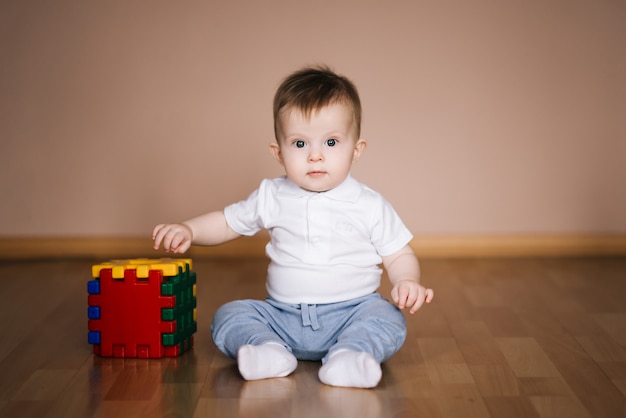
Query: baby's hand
409	293
175	237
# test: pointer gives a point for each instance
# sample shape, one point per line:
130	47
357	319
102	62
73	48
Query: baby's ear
275	150
359	147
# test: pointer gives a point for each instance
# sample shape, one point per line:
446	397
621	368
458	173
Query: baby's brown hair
313	88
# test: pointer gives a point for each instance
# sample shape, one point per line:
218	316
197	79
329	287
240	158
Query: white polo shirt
325	247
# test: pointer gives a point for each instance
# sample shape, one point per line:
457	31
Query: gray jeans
312	332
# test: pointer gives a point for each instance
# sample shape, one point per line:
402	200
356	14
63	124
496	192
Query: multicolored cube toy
144	308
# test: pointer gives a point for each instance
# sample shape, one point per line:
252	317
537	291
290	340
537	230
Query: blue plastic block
93	287
94	337
93	312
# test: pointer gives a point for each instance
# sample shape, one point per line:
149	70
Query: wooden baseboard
520	246
425	247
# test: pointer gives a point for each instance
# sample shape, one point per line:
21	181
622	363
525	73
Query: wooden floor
503	338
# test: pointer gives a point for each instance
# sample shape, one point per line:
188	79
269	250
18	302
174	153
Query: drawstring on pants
309	316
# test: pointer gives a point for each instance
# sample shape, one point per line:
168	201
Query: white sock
264	361
351	369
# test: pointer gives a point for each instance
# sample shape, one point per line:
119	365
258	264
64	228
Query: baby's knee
389	324
229	310
224	322
234	314
387	313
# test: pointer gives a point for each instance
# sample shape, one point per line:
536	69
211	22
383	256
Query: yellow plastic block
168	266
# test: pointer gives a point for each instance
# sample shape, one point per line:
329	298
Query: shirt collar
348	191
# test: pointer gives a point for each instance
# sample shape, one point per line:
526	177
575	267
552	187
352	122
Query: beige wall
483	117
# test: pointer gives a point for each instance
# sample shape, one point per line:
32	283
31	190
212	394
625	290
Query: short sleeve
245	217
389	234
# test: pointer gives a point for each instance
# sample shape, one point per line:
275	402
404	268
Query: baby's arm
404	273
208	229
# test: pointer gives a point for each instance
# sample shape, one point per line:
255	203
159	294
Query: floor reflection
300	394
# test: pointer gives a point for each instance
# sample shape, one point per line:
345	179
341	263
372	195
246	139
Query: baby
328	235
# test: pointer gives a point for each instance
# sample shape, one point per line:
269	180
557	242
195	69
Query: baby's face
317	152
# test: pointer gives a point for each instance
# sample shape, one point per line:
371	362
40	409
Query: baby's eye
299	143
331	142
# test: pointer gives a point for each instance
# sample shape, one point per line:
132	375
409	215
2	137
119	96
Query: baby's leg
241	330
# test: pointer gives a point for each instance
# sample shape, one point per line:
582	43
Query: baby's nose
316	155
